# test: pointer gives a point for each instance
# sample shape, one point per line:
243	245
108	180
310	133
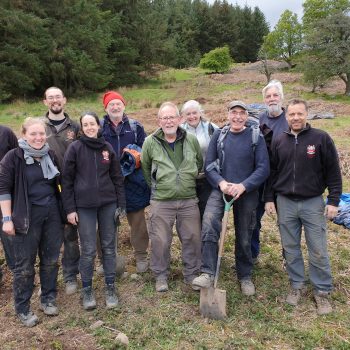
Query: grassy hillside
172	320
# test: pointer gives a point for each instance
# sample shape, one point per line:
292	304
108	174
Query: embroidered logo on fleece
105	155
311	151
70	135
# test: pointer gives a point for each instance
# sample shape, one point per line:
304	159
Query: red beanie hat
112	95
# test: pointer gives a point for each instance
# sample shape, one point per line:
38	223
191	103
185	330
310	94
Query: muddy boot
111	297
89	301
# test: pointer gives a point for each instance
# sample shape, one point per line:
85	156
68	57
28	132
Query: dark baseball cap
233	104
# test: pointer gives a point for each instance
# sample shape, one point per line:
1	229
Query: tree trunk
346	79
347	88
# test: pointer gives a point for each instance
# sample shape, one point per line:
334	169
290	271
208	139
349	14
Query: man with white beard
274	119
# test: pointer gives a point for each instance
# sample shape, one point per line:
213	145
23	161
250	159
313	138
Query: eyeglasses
171	118
57	97
236	113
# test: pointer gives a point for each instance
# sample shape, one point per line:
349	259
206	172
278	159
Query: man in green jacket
171	159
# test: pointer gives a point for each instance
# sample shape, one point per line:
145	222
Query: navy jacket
241	164
122	135
136	189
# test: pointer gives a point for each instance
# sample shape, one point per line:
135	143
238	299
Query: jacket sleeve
199	158
261	167
7	176
13	142
68	179
332	172
269	195
146	160
117	179
141	134
212	173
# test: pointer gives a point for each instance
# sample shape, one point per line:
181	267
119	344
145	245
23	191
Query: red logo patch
311	151
105	155
70	135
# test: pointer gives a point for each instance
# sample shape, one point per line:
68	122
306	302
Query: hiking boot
323	305
162	285
247	287
29	319
49	309
294	296
189	282
89	301
111	297
71	287
142	266
203	281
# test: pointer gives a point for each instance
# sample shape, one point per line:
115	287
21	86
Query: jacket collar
67	120
109	121
306	129
159	134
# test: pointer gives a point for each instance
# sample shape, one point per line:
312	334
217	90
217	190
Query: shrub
217	60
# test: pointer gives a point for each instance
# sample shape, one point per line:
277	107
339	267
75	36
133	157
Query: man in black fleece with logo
304	163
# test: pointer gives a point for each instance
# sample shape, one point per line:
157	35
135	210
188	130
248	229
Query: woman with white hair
196	124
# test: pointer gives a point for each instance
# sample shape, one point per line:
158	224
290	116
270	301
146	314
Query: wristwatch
7	218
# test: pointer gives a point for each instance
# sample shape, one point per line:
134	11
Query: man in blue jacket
304	163
120	130
242	168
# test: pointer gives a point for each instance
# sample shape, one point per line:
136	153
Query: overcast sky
273	9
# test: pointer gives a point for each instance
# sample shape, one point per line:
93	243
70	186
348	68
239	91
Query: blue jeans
71	253
292	216
244	223
88	217
44	236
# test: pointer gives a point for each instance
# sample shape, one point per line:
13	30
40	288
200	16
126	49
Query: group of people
62	182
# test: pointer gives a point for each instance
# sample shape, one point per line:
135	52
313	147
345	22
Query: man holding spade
234	167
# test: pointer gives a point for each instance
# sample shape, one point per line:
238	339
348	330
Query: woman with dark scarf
31	218
93	192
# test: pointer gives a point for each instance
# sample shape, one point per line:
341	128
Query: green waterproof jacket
171	174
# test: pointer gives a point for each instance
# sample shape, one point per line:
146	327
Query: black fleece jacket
303	166
13	185
91	177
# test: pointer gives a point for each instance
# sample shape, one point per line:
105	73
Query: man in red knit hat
120	130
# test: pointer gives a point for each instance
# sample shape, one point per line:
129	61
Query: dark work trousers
203	189
44	237
260	210
244	210
71	253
